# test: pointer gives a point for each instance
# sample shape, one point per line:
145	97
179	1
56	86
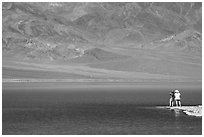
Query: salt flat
189	110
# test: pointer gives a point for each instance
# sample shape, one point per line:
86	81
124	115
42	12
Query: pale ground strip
189	110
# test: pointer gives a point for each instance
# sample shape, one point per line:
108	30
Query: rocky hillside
65	31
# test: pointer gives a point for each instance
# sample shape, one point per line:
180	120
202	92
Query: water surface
96	111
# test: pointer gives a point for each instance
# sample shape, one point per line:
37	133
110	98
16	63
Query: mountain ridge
95	23
151	37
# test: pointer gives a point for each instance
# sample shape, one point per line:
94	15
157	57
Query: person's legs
170	102
179	103
176	103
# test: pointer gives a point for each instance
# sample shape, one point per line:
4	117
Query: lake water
96	111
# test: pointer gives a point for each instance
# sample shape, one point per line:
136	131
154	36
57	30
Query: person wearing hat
177	97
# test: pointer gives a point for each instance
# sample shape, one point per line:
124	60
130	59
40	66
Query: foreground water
96	111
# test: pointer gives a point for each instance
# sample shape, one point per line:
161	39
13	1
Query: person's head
176	91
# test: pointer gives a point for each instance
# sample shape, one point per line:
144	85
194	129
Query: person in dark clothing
172	98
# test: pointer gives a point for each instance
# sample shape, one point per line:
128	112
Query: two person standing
175	97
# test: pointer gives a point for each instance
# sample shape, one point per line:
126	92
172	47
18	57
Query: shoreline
188	110
191	110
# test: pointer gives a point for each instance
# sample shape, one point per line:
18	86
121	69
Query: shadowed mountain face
100	32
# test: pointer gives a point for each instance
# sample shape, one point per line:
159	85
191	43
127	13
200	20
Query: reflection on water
177	112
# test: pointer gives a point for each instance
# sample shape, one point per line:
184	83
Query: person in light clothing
177	97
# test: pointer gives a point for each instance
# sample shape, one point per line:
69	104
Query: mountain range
146	38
